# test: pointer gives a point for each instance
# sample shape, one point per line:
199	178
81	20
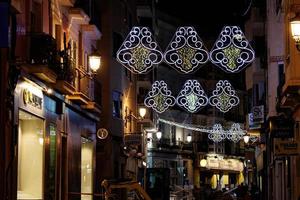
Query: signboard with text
281	127
286	148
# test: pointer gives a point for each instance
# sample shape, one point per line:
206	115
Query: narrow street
149	100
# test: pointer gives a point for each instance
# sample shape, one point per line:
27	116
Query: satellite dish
102	133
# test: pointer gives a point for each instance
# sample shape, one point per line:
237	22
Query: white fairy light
192	97
216	133
185	126
159	98
186	51
139	52
232	51
224	96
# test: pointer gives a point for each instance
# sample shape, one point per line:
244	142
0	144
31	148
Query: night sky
210	15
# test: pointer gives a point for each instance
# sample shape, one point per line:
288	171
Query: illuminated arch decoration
139	52
186	51
159	98
224	96
192	97
232	51
235	133
217	134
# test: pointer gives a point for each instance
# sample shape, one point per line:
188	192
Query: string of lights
216	133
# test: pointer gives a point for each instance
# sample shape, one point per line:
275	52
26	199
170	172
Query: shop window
87	151
30	157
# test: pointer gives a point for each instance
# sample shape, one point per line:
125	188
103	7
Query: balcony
88	93
43	60
66	76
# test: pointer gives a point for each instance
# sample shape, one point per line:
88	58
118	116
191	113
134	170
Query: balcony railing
43	51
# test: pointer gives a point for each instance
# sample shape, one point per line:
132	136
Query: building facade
283	166
55	102
119	108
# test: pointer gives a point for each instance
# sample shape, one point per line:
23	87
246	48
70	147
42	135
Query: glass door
30	156
87	151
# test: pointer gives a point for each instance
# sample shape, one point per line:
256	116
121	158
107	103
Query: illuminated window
30	156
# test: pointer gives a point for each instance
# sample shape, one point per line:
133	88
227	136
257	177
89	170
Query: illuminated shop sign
31	99
224	164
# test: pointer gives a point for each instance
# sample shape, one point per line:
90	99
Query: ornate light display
186	51
232	51
235	133
159	98
224	96
192	97
217	134
139	52
253	138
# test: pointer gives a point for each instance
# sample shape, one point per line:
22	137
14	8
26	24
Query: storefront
55	146
220	173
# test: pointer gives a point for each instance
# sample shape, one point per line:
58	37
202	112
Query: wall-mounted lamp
158	135
94	64
246	139
295	30
189	138
142	114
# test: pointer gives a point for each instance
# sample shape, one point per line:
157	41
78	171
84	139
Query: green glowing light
232	53
139	55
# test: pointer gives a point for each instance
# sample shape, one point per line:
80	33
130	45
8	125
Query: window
117	104
30	157
87	150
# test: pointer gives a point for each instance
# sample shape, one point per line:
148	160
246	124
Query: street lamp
295	30
94	62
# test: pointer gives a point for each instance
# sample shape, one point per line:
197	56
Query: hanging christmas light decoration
192	97
159	98
224	96
139	52
253	138
217	134
186	51
232	51
235	133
